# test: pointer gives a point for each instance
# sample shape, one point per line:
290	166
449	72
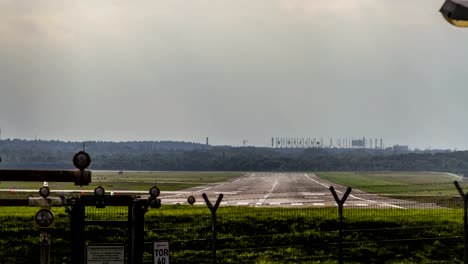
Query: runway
279	190
265	190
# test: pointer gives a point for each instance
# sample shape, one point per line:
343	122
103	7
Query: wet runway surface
280	190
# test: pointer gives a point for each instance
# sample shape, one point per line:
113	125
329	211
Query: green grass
396	183
130	180
260	235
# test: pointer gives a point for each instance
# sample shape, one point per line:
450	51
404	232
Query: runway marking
355	197
318	204
242	203
363	205
210	187
372	201
312	194
274	203
223	203
324	185
236	180
296	203
269	193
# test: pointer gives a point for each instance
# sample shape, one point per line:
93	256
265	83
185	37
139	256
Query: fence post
45	247
465	216
137	229
77	224
340	203
213	219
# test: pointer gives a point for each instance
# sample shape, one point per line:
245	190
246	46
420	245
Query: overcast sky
233	70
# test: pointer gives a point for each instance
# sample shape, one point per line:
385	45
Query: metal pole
137	229
465	218
340	233
213	228
465	211
213	209
340	203
45	248
77	224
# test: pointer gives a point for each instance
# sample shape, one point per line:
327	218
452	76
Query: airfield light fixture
191	200
44	191
455	12
154	192
44	218
99	192
81	160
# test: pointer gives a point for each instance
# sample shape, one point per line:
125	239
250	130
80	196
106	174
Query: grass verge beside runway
397	183
135	180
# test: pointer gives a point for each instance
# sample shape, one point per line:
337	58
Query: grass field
135	180
263	235
260	235
125	181
397	183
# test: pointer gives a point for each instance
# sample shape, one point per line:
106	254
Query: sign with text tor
161	252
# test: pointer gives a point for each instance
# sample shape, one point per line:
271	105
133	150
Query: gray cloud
183	70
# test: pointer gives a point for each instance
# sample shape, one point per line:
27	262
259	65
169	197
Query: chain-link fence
410	232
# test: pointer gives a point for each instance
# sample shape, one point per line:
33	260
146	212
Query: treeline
149	155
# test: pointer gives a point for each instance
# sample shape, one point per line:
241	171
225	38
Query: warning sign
105	254
161	252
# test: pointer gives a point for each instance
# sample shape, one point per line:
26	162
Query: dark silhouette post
137	230
45	247
340	212
465	216
213	219
77	226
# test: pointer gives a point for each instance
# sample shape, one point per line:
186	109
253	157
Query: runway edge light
455	12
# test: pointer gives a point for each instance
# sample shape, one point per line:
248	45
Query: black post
340	203
137	229
45	247
213	220
77	224
465	211
465	217
340	233
213	238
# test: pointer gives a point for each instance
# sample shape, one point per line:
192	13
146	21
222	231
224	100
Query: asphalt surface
280	190
268	190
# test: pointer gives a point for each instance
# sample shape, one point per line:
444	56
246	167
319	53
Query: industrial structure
317	142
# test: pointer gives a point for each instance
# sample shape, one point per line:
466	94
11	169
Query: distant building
358	143
398	149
